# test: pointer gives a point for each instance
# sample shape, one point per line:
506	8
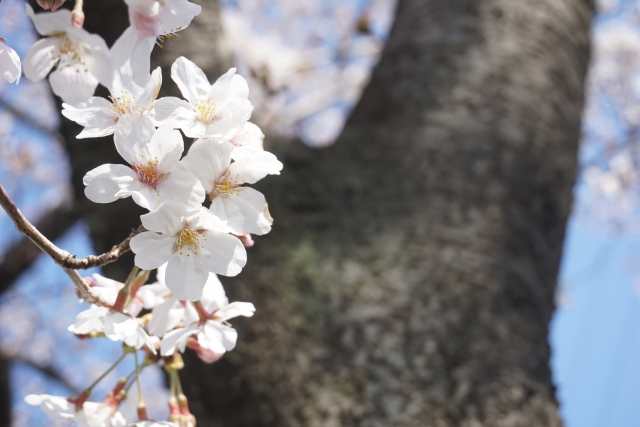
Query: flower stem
101	377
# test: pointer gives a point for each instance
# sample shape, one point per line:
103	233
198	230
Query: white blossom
216	336
247	141
156	172
151	20
244	208
193	242
10	68
210	110
100	116
92	414
81	59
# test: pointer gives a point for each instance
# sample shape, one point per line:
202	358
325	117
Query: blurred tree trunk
409	278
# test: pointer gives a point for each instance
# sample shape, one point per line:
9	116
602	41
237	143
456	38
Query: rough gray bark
409	277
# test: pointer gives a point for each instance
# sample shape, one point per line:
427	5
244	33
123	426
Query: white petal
235	309
190	79
40	58
96	115
150	90
151	249
143	194
173	112
176	15
54	406
89	321
249	140
152	295
208	160
226	254
187	273
50	22
218	337
73	84
104	182
165	317
181	186
167	146
177	338
132	137
118	326
10	68
213	296
255	167
245	210
168	218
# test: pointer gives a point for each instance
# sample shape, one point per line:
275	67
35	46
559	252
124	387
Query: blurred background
305	76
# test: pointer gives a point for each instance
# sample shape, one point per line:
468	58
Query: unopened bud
142	411
77	18
246	240
50	4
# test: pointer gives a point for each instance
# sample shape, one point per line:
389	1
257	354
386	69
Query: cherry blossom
52	5
194	242
81	59
99	116
156	173
92	414
215	336
151	20
247	141
210	110
244	209
10	67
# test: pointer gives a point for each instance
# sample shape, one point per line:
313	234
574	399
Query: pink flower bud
246	239
77	18
50	4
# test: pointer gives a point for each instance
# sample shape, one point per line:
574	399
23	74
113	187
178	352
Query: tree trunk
410	274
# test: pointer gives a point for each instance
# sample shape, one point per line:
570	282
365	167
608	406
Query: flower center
148	172
189	241
70	53
123	104
225	186
206	110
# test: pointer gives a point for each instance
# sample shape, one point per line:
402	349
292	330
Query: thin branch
61	257
20	256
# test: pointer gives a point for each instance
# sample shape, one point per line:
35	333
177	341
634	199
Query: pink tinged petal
89	321
213	296
132	136
106	181
255	167
235	309
190	79
151	249
208	160
218	337
176	15
226	253
9	64
54	406
73	84
208	356
177	338
165	317
244	210
145	7
173	112
147	26
187	273
167	146
40	58
182	186
247	141
51	22
95	115
168	218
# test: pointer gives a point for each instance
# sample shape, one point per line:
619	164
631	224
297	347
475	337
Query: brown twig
61	257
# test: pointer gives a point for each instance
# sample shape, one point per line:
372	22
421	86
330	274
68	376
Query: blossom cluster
201	211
